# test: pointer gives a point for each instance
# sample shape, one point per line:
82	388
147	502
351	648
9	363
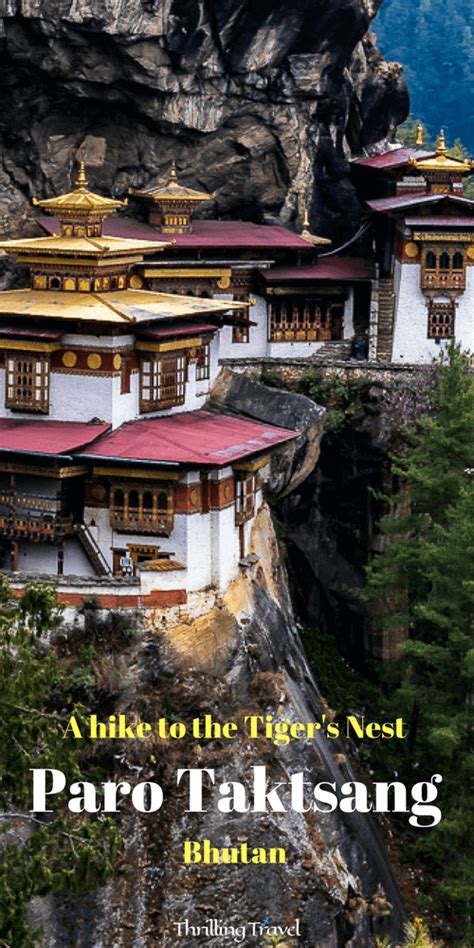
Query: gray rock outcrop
263	103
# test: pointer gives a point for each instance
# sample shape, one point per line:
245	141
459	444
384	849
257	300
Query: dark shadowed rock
263	103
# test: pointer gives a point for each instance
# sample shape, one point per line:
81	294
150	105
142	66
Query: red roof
178	329
392	159
343	269
198	438
30	333
206	234
25	436
402	201
462	223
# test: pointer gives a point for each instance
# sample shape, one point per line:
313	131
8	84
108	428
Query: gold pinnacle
441	146
81	180
173	175
306	223
419	134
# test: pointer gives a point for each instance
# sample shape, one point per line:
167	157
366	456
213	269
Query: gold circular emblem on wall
69	359
470	252
136	282
194	497
411	249
117	361
98	492
227	491
94	360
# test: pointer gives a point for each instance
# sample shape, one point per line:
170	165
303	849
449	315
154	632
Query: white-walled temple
109	466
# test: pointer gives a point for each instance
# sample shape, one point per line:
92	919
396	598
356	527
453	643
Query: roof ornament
441	147
419	135
306	232
81	180
173	175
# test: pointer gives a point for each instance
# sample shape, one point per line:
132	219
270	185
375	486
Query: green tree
425	578
65	853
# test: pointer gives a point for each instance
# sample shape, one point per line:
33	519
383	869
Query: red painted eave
51	438
179	329
198	438
342	269
403	201
459	223
393	159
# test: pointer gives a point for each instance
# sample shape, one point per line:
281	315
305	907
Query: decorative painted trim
169	346
35	471
26	346
122	472
251	466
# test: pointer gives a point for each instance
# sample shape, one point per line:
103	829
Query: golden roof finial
441	148
81	180
419	134
173	175
306	224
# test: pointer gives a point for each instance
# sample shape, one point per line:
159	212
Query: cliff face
241	658
262	103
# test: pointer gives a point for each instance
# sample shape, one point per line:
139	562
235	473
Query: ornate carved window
162	381
443	269
441	320
27	382
245	490
301	319
139	508
203	369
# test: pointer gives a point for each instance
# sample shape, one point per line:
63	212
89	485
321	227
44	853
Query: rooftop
81	202
197	438
121	306
402	201
207	234
393	159
77	247
172	191
28	436
327	268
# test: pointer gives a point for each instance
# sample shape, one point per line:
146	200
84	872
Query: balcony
443	280
140	520
33	517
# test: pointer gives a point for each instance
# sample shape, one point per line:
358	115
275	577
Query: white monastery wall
411	343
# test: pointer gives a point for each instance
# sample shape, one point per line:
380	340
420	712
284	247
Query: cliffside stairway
337	351
92	550
386	320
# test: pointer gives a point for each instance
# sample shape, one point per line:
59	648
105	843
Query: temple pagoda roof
89	247
442	162
52	438
172	191
402	202
393	159
121	306
81	202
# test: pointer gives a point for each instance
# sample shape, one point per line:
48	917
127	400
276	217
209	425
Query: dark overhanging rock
263	103
243	395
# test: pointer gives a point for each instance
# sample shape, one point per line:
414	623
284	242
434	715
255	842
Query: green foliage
65	853
433	39
342	399
424	579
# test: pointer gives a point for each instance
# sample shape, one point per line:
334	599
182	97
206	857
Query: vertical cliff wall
263	103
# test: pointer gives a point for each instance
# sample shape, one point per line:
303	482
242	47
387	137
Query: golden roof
312	238
89	247
120	307
442	162
173	191
80	202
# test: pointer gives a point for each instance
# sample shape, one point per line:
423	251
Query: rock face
263	103
243	658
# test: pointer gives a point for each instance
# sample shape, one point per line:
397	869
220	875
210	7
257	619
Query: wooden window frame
203	363
439	277
27	376
126	517
441	320
246	486
156	392
300	319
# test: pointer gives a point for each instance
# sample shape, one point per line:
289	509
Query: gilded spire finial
419	134
81	180
306	224
173	175
441	146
